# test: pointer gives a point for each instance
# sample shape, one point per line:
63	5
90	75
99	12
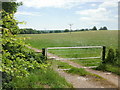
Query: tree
86	29
105	28
51	31
101	28
66	30
8	10
57	31
82	30
94	28
10	7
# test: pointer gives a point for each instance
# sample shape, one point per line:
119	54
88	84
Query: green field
86	38
107	38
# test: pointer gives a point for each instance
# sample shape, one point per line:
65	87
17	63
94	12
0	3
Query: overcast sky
58	14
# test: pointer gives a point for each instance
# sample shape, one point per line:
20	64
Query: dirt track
86	82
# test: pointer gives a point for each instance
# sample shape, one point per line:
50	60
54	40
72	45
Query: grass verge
109	67
78	71
74	70
42	79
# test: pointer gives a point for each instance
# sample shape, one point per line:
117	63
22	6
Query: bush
110	56
17	60
111	63
113	57
117	57
101	67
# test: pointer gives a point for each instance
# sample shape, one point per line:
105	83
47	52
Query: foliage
29	31
117	58
10	7
17	61
110	56
94	28
109	67
113	57
8	21
114	69
83	29
41	79
66	30
102	67
112	62
103	28
57	31
34	31
21	67
9	24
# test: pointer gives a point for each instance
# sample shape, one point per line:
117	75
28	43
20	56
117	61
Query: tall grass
109	68
42	79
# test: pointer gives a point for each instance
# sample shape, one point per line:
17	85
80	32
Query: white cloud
92	11
116	16
93	5
108	4
49	3
104	14
56	3
28	13
101	14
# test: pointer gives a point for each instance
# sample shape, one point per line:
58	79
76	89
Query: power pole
70	28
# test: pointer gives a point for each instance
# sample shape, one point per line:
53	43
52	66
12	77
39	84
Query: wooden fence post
44	53
103	53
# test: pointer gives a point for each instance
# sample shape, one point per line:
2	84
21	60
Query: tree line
34	31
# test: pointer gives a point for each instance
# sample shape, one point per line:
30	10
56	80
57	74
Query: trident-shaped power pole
70	28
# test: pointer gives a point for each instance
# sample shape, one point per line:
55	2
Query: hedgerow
112	62
17	60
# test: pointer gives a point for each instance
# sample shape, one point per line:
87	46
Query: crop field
107	38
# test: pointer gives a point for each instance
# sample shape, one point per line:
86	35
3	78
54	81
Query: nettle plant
17	60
